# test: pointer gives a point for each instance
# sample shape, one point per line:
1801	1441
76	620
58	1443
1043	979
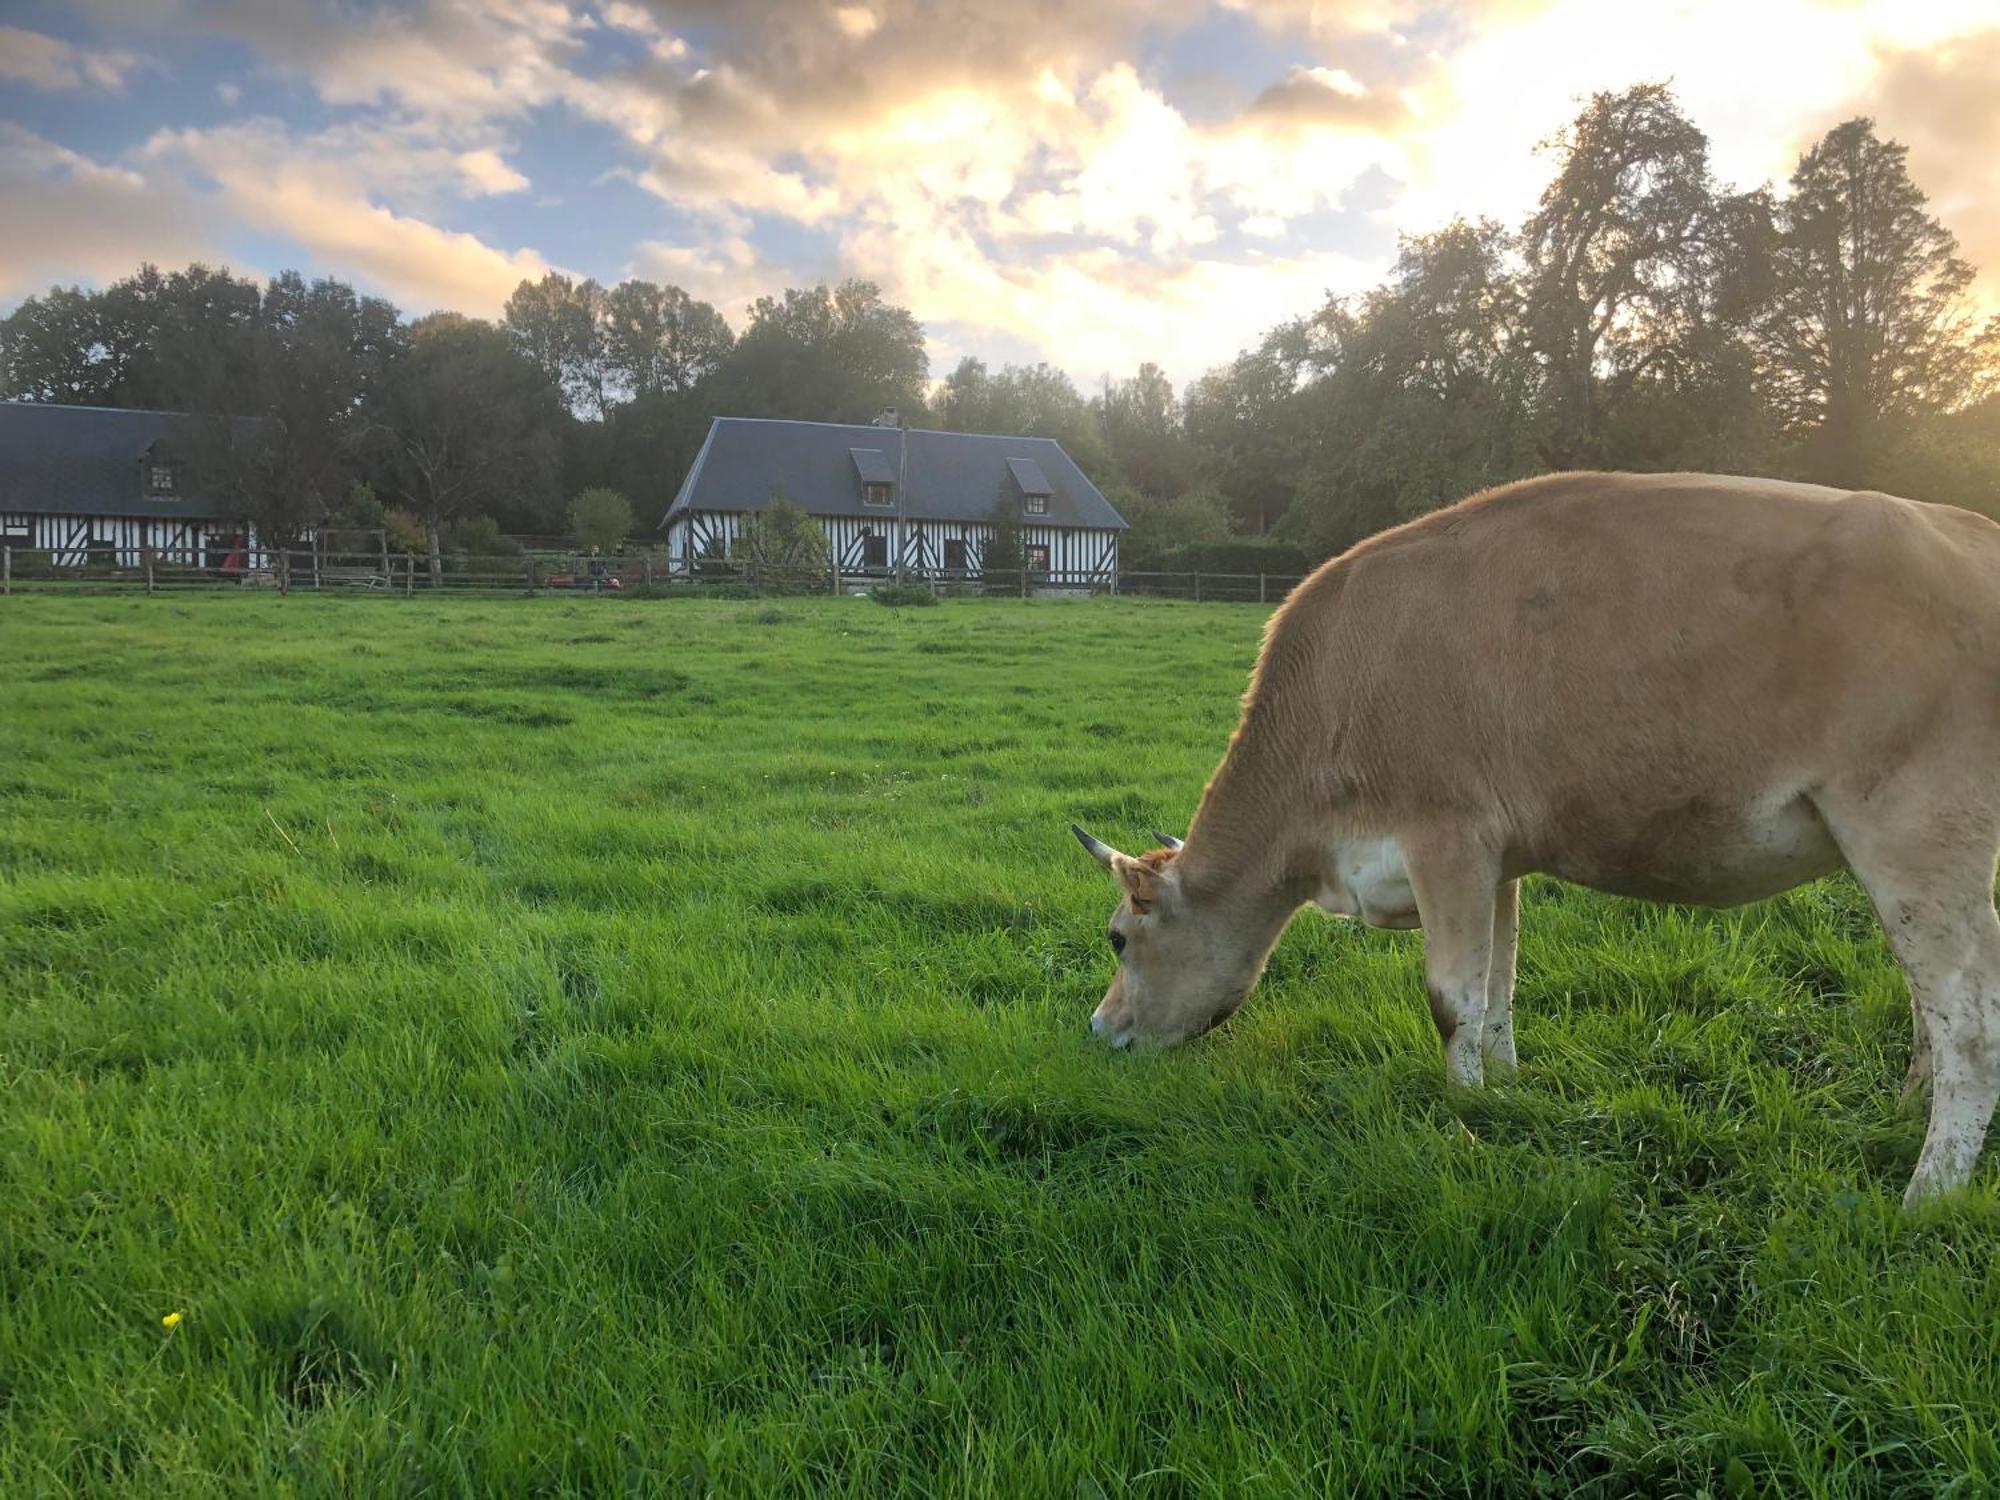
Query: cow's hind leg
1928	869
1455	884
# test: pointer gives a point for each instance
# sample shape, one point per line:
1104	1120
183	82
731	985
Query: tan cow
1681	687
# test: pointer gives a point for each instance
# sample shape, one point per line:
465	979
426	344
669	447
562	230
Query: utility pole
902	480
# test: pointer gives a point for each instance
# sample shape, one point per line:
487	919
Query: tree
1160	526
658	338
1025	401
1244	425
1420	392
783	548
1610	253
558	324
313	354
1141	425
601	519
1868	327
466	424
1004	557
839	355
162	342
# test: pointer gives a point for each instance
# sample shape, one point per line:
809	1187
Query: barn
847	477
96	485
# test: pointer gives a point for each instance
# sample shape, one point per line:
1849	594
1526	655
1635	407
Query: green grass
603	1046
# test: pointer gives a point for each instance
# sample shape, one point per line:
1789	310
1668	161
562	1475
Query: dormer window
159	479
1033	484
877	494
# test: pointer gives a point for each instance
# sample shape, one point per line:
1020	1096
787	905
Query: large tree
1023	400
659	339
163	342
274	406
559	325
1868	326
1421	393
1609	253
467	424
838	354
1141	423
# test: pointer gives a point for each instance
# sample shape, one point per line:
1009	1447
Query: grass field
608	1046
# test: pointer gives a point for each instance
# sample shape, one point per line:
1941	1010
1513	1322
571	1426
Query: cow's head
1183	968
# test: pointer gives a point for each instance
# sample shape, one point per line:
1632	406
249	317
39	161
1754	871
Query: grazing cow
1682	687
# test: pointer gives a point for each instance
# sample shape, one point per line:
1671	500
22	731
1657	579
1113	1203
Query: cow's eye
1117	942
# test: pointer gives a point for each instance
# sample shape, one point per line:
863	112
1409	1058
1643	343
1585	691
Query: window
954	556
874	550
877	494
1038	558
1037	505
159	479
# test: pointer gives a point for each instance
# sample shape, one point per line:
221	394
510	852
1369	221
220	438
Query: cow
1685	688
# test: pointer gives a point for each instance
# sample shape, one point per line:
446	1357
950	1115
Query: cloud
48	62
1308	97
70	217
1944	104
1029	170
322	193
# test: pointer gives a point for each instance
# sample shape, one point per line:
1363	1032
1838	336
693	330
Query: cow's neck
1257	840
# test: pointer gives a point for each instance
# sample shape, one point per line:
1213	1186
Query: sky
1089	182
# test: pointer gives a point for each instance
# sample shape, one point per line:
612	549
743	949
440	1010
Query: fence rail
315	570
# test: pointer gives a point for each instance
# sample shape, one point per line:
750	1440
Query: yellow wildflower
171	1320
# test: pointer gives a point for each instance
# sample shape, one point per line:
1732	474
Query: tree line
1642	316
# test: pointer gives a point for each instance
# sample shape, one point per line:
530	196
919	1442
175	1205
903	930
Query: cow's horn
1102	852
1167	840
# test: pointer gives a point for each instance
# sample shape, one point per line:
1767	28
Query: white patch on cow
1369	880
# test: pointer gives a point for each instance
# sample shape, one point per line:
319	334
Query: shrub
602	519
784	549
896	595
1241	555
480	536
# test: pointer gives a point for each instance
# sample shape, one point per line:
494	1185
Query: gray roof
1029	476
84	461
873	465
819	466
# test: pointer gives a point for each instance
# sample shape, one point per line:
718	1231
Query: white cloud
319	193
48	62
70	217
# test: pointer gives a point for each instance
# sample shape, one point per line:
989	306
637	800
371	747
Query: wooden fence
316	570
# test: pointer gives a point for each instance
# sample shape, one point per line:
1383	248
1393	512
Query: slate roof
84	461
818	466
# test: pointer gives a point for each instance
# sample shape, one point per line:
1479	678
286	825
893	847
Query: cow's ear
1148	882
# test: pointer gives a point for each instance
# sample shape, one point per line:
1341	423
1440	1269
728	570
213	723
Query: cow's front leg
1456	886
1497	1040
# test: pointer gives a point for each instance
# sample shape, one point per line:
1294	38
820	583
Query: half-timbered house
954	486
95	485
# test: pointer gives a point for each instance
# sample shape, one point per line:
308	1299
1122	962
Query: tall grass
613	1047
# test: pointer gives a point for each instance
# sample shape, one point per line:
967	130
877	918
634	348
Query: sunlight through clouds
1124	182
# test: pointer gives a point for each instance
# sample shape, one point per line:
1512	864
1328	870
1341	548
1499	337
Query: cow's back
1617	652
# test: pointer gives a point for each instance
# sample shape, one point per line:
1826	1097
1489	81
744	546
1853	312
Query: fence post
531	578
1196	576
1260	588
6	570
146	557
833	570
388	575
410	574
646	571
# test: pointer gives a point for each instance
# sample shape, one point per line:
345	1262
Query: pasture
617	1046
